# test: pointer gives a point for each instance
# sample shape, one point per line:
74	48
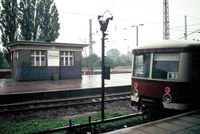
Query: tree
113	53
96	61
50	24
110	62
3	62
8	21
38	20
8	24
27	18
114	58
123	60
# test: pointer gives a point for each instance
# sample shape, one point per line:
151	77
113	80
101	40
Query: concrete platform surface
8	86
188	123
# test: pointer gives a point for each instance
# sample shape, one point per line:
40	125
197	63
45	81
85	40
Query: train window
141	65
165	66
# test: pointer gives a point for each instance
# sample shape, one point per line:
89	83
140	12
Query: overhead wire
125	4
198	30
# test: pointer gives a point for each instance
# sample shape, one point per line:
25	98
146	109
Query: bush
3	62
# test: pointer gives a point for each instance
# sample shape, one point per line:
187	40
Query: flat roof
46	43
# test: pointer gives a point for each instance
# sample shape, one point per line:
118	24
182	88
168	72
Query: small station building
36	60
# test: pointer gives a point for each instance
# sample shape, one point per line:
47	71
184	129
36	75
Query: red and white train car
166	74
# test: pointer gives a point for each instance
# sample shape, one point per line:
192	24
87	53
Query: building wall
14	64
24	71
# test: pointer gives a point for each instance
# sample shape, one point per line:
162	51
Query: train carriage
166	74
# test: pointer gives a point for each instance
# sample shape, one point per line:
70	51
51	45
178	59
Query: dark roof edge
45	43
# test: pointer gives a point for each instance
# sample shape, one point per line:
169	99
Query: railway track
75	102
60	103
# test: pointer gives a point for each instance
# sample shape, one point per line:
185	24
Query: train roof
167	46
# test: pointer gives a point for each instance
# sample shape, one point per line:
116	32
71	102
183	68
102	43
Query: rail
32	106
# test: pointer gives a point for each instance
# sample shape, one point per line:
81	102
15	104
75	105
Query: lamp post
137	32
103	27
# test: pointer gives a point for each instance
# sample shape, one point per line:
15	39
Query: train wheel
154	111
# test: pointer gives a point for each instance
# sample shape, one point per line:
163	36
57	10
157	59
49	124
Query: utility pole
166	29
128	54
137	32
136	35
103	28
90	48
185	34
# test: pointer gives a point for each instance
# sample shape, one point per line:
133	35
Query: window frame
148	66
169	73
67	58
41	56
151	66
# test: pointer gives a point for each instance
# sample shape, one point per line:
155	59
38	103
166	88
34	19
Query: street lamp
137	32
103	27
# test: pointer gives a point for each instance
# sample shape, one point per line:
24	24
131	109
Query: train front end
162	78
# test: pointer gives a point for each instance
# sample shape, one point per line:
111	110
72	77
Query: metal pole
90	47
102	78
185	34
103	28
136	26
136	35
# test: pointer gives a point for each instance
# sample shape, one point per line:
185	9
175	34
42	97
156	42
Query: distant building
34	60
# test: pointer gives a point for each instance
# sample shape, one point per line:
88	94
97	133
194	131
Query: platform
8	86
188	123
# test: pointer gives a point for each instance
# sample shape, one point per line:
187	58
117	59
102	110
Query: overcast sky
75	14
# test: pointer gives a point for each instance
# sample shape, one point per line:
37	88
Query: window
38	58
141	65
67	58
165	66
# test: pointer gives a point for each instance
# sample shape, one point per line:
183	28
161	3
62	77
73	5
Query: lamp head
111	18
99	17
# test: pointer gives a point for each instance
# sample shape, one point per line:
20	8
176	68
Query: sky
74	16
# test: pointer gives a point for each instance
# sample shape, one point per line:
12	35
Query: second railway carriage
166	74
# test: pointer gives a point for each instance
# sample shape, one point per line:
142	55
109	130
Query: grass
30	126
41	125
